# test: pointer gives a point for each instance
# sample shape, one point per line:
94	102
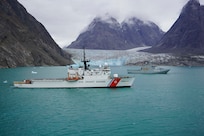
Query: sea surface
156	105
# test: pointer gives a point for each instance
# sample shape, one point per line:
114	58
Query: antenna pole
84	60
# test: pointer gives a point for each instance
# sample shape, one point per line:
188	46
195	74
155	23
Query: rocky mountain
141	33
24	41
108	34
186	36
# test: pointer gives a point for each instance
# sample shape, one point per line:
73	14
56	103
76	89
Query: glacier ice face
132	57
117	57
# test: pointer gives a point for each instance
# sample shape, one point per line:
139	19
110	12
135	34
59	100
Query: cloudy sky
65	19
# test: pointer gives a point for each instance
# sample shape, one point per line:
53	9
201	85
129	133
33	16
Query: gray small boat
148	69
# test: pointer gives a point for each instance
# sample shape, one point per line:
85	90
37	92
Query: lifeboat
73	78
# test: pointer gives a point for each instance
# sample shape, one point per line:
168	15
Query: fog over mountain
107	33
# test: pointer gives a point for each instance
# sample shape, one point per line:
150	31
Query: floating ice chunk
5	81
34	72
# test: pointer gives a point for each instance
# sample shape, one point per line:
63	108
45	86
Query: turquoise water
156	105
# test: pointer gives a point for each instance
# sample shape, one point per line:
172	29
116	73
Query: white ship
81	77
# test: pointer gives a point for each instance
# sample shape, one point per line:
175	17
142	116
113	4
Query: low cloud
65	19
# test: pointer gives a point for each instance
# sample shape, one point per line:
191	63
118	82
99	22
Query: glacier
119	57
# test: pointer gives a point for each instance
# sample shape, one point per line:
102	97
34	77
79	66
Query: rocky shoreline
175	61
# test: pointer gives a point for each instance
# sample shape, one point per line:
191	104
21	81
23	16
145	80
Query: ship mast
85	60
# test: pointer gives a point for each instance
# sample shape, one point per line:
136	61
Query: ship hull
63	83
165	71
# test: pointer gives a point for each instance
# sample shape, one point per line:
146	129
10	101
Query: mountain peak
186	35
106	20
191	6
108	34
133	21
194	1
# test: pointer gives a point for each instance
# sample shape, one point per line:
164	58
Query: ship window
89	81
100	81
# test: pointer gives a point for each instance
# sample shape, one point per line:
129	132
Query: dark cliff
186	36
24	41
141	33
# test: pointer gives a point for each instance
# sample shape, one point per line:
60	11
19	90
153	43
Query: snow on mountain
132	21
106	19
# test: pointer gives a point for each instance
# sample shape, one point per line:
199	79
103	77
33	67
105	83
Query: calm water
156	105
